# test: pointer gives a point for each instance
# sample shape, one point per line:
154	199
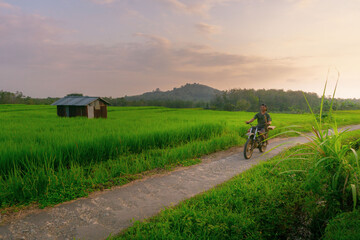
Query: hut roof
77	101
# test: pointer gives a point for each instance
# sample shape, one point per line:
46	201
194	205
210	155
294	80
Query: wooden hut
74	106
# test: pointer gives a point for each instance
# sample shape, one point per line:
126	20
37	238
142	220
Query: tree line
20	98
277	101
231	100
170	103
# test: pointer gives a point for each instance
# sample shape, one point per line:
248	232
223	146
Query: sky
128	47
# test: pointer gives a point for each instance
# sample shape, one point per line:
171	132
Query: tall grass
42	154
260	203
256	204
48	185
334	157
95	149
332	176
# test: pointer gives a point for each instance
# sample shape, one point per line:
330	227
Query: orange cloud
160	41
199	7
207	28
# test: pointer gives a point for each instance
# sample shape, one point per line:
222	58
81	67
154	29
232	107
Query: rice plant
48	159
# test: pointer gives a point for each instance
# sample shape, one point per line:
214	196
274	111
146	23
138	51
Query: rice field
272	200
45	159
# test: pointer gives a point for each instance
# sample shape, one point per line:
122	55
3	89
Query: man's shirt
262	119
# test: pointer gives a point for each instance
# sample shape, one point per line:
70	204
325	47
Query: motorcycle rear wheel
263	146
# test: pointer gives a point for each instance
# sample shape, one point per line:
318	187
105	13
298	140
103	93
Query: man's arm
247	122
269	120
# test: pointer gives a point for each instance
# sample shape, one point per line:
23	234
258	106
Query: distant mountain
189	92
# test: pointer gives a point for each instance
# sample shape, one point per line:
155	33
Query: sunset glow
127	47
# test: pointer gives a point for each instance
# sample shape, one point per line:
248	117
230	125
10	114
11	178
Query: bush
345	226
258	204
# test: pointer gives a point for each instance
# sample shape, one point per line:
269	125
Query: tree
242	105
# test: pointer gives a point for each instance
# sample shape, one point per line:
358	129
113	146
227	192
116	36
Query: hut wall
81	111
97	109
103	111
71	111
61	111
90	110
100	109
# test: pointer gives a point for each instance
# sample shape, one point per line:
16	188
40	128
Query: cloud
203	7
126	68
158	40
207	28
198	7
6	5
305	3
179	6
292	80
103	2
28	29
134	13
36	61
176	4
302	3
19	27
210	58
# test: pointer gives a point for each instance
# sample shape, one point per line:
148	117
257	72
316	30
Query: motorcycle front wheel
248	148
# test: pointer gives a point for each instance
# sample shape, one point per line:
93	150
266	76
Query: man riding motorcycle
263	119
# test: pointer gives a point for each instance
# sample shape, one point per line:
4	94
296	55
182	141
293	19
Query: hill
188	92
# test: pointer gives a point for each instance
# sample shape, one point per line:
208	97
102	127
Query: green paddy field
45	159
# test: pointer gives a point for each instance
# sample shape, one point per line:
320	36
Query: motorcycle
254	141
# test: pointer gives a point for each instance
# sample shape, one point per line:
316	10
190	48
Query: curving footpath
110	211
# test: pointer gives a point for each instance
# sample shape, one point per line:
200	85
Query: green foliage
75	94
319	180
48	159
277	101
201	96
345	226
188	92
332	177
186	96
269	201
257	204
19	98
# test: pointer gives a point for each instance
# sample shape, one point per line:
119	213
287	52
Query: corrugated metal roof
76	101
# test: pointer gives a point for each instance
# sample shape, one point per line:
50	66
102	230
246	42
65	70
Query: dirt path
110	211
